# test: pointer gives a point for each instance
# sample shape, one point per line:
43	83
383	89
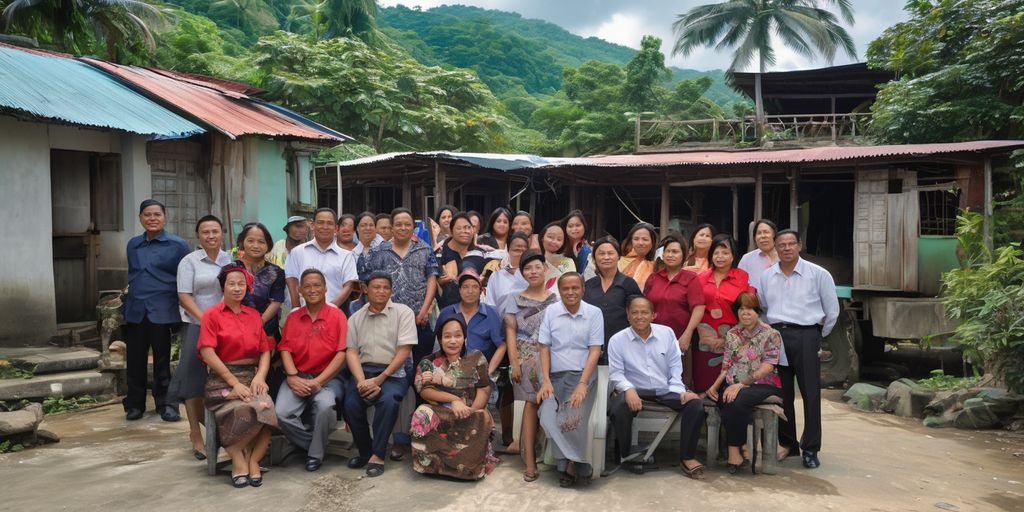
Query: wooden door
886	229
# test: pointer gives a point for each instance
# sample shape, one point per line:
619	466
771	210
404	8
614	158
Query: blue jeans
385	412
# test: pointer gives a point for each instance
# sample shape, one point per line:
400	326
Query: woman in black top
610	290
498	230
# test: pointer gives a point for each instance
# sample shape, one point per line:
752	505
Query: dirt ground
869	462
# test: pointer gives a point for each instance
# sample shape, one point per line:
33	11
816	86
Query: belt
785	325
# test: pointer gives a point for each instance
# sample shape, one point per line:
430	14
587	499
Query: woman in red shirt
721	283
234	346
677	296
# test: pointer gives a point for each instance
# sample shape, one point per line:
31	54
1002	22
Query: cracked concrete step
68	384
52	359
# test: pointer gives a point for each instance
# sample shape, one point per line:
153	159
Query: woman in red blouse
234	346
721	283
677	296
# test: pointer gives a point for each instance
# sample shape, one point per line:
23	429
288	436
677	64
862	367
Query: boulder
21	421
47	436
906	398
977	413
937	421
864	396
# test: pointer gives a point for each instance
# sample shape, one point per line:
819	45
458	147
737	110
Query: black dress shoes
169	413
313	463
811	460
133	414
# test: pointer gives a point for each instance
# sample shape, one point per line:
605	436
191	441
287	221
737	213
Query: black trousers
736	415
690	422
139	339
802	345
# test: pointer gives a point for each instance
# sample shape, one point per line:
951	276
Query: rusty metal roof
52	86
792	156
224	108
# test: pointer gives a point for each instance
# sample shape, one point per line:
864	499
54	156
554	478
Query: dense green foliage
986	297
116	29
960	70
508	51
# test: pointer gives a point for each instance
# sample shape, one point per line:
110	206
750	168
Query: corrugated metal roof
230	112
793	156
498	161
511	162
58	88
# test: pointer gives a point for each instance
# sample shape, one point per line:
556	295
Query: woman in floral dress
451	433
748	375
523	312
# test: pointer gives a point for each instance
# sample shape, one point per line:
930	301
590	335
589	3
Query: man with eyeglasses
801	303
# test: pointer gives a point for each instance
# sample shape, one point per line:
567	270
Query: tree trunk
759	118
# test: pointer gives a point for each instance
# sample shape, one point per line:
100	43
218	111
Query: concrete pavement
869	462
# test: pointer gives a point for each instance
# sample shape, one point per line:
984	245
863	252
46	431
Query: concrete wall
27	309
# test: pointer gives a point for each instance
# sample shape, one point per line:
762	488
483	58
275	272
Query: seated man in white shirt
645	364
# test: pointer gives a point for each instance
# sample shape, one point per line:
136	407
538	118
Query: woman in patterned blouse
748	375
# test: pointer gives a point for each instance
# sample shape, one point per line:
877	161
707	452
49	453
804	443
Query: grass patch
16	369
939	381
54	405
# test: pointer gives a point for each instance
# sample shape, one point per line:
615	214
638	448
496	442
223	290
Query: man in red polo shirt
313	350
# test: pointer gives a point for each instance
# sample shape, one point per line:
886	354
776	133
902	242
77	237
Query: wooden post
794	203
987	225
337	168
406	192
573	200
506	201
440	186
735	212
758	204
665	189
636	147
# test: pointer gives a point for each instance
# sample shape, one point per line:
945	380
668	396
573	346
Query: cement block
69	384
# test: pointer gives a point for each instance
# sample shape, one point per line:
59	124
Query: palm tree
749	25
346	18
75	26
253	17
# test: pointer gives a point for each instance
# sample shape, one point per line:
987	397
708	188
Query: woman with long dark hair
638	253
700	245
575	226
498	230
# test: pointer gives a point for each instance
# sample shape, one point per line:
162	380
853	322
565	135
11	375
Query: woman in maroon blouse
234	346
677	297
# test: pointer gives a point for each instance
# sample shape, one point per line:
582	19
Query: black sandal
566	480
240	481
696	472
374	470
198	454
256	482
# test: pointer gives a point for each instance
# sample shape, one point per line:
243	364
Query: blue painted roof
60	88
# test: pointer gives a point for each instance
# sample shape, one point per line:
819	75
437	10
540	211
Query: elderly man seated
381	336
645	364
312	350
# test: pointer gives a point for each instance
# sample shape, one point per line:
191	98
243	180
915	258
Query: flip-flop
373	469
240	481
696	472
530	476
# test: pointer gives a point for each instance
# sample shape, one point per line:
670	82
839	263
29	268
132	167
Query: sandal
696	472
198	454
397	455
240	481
257	481
373	469
566	480
530	475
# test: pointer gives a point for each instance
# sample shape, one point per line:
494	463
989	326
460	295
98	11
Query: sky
626	21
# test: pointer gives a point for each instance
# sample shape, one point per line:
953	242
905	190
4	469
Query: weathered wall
273	186
27	310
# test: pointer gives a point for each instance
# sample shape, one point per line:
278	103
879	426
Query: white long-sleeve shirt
653	364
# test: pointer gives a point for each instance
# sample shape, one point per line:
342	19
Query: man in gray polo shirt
381	336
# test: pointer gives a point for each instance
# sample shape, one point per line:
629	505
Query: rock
21	421
937	422
46	436
906	398
864	396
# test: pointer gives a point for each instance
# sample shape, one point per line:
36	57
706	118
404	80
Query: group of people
463	313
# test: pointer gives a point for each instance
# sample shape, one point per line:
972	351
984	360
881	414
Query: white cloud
621	28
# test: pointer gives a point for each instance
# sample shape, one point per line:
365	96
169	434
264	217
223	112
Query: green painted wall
935	255
273	187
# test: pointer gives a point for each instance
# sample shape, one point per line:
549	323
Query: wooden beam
440	186
794	201
758	205
664	219
987	225
735	212
406	192
337	169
